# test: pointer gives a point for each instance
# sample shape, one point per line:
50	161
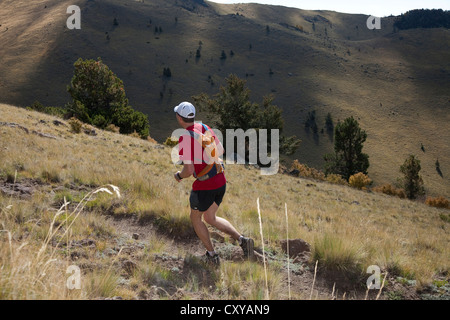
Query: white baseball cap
186	110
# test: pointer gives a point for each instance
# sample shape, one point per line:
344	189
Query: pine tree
99	98
234	110
412	182
348	158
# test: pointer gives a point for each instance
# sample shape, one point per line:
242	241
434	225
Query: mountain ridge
335	65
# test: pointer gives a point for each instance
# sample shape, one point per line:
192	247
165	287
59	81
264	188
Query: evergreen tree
232	109
98	98
423	18
348	158
412	182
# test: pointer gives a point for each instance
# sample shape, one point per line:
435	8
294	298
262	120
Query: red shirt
193	153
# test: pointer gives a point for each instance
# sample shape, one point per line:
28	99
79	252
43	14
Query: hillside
395	83
141	245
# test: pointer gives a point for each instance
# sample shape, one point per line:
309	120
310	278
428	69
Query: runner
200	151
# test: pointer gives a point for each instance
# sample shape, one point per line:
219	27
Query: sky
377	8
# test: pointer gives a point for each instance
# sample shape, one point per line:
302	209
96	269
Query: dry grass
348	229
31	269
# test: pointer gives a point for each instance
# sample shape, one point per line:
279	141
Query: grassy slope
394	83
347	228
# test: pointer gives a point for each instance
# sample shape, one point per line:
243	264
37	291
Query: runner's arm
188	170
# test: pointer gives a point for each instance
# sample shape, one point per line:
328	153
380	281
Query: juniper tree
232	109
98	98
348	158
412	181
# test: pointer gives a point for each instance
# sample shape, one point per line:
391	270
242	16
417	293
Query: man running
209	187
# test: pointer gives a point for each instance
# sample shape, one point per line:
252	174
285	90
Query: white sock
240	239
211	253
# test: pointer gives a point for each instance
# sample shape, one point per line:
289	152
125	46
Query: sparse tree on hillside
348	158
99	98
411	181
232	109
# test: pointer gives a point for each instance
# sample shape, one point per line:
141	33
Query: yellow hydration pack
209	148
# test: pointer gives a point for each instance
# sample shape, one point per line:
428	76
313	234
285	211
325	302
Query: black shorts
201	200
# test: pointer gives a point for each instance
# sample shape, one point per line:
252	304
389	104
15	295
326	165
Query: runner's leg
201	230
220	223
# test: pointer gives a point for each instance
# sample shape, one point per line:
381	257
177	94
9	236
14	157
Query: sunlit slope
394	83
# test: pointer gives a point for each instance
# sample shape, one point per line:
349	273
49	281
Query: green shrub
129	121
98	98
99	121
445	217
54	111
171	142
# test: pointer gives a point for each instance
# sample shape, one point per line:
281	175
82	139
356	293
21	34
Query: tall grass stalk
287	249
314	280
25	278
382	286
264	254
75	214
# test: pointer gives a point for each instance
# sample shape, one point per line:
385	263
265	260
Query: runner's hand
176	176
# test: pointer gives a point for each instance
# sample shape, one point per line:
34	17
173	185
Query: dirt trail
133	239
303	284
